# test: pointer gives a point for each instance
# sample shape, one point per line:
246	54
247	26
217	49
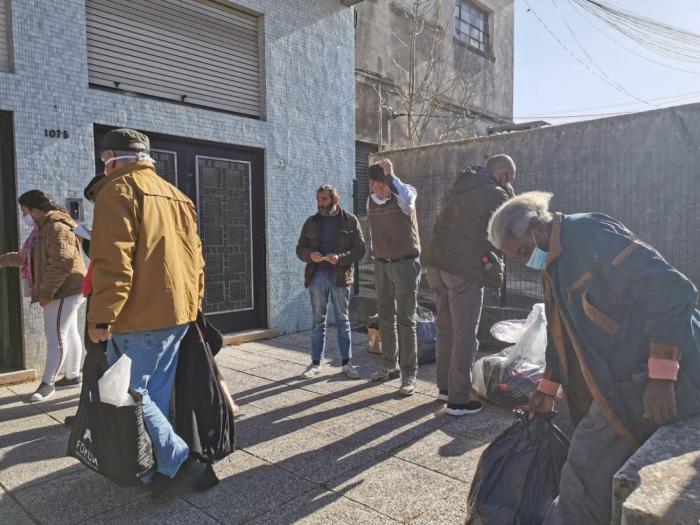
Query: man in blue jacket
623	341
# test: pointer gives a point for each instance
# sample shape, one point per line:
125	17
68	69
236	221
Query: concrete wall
380	26
309	84
643	169
660	483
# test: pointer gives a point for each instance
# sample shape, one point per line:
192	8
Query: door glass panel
224	209
166	164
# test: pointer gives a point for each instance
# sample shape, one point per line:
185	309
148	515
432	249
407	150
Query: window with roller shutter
196	52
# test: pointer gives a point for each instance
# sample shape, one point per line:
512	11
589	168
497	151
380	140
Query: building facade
469	46
248	104
474	42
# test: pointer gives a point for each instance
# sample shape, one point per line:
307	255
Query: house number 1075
56	133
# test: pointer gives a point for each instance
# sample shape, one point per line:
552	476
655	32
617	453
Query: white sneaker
311	371
43	393
408	385
473	407
351	371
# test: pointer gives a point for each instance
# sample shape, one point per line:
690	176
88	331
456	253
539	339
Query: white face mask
538	259
377	199
136	156
28	220
122	157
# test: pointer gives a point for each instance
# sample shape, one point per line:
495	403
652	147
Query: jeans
323	286
397	298
153	365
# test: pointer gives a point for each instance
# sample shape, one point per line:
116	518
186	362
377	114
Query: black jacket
203	414
349	246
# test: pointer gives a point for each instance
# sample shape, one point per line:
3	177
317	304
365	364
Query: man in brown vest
395	245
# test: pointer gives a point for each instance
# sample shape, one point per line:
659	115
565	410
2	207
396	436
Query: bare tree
431	90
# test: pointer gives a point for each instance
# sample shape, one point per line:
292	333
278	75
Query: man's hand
317	257
540	403
98	335
387	166
332	258
660	401
44	302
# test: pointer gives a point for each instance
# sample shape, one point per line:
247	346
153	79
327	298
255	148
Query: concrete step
17	376
659	484
248	336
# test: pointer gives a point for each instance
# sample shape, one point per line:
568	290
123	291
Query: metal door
226	184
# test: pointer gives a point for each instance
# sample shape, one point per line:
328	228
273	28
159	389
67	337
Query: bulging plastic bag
510	377
114	383
517	477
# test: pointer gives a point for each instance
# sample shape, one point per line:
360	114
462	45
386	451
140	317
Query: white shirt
405	194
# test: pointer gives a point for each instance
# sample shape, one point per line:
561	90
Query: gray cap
125	139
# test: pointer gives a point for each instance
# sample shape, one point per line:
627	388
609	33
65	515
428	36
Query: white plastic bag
511	376
114	383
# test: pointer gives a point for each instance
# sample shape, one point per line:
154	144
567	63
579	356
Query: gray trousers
396	284
585	490
458	312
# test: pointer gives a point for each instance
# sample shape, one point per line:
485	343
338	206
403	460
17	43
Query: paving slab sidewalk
321	450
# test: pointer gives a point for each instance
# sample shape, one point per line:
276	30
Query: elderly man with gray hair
623	341
461	261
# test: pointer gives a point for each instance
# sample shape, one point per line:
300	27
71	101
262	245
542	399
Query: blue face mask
538	259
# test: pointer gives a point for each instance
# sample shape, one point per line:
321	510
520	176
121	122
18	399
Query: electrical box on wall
75	208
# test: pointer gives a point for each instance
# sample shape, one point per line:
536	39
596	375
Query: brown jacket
148	271
57	261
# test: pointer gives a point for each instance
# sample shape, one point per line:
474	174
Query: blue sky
550	82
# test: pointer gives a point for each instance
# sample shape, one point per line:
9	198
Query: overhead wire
663	39
590	58
581	12
660	100
575	57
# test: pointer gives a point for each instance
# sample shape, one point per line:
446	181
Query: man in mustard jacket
147	286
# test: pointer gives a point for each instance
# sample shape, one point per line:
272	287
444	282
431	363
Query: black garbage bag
110	440
517	477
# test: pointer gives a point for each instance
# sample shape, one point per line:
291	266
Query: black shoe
207	481
42	393
472	407
165	489
69	420
67	383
